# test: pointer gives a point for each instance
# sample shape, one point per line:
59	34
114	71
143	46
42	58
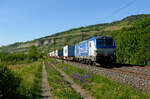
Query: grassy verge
99	86
30	86
60	88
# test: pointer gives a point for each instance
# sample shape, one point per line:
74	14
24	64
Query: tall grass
60	88
30	86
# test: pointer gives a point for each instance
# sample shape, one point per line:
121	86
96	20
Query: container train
98	49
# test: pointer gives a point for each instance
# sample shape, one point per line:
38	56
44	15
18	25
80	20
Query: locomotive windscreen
104	43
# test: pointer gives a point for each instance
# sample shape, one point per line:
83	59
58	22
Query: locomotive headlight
114	53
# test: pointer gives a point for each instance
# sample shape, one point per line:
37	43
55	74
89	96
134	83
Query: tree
33	53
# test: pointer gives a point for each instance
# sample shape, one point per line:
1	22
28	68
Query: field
24	81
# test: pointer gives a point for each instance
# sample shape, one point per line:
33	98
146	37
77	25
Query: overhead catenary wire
122	8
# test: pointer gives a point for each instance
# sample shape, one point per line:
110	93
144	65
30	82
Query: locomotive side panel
92	47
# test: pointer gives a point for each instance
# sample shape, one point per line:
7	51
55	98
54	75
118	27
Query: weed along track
76	87
45	87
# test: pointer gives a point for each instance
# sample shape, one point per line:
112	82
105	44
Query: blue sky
23	20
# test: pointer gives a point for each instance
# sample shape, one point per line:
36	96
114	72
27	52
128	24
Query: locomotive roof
96	37
103	37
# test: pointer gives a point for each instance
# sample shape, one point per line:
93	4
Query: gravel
140	84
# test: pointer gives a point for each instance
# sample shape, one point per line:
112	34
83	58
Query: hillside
73	36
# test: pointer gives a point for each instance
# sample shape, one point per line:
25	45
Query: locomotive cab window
109	42
101	43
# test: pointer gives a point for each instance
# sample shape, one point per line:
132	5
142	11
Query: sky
24	20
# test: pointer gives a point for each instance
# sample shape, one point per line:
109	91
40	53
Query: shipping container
55	52
52	53
77	53
60	52
68	51
84	48
49	54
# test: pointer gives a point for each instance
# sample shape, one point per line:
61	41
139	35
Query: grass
17	66
60	88
30	86
99	86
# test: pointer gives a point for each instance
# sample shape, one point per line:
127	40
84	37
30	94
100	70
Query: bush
132	43
9	82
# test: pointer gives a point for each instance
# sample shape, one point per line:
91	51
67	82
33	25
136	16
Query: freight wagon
68	52
49	54
59	53
52	54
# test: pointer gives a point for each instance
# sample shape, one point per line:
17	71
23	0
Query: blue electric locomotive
99	49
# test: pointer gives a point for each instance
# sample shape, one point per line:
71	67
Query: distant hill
73	36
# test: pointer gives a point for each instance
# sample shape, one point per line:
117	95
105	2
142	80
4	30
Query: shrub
9	82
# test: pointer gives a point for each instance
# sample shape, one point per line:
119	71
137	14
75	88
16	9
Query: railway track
143	73
135	76
137	71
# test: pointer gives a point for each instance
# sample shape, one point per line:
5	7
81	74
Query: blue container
84	48
60	52
77	49
70	50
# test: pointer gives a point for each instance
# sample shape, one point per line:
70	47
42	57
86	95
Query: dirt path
45	92
76	87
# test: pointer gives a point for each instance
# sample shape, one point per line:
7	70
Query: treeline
16	58
133	43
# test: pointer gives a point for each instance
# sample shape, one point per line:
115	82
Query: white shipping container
68	51
65	50
52	54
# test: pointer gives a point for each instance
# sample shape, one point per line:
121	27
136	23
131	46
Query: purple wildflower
75	76
52	62
85	77
81	79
